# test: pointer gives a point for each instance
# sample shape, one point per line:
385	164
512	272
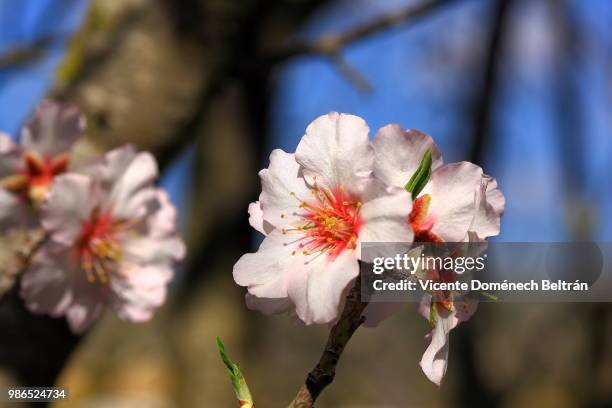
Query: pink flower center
98	247
34	179
331	222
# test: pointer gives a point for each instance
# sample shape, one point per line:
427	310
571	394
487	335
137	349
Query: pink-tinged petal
10	157
128	178
136	298
494	196
435	359
336	150
452	189
110	168
282	187
68	205
399	152
147	249
489	207
318	286
385	217
53	128
268	306
133	189
54	284
46	286
264	273
162	218
157	240
146	276
256	219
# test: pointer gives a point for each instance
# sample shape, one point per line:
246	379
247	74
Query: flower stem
324	372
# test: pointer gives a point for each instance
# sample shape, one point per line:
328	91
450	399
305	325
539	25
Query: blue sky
422	75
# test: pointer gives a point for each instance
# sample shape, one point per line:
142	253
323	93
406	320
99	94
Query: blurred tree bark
167	76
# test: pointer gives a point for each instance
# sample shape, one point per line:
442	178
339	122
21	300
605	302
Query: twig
351	73
23	55
324	372
332	44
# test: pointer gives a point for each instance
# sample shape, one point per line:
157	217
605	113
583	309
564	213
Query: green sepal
433	313
238	382
490	296
421	176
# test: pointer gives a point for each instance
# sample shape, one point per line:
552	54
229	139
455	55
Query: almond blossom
112	242
459	203
459	198
27	170
316	207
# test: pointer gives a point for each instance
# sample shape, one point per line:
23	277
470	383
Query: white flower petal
111	167
147	249
142	290
157	240
336	150
452	188
46	286
265	272
489	207
54	284
162	218
69	203
385	217
435	359
494	196
53	128
282	187
256	219
318	287
134	188
399	152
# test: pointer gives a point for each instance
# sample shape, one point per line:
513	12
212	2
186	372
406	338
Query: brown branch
25	54
333	44
324	372
351	74
99	54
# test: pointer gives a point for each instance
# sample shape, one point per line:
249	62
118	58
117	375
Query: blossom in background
27	170
316	207
112	241
459	203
